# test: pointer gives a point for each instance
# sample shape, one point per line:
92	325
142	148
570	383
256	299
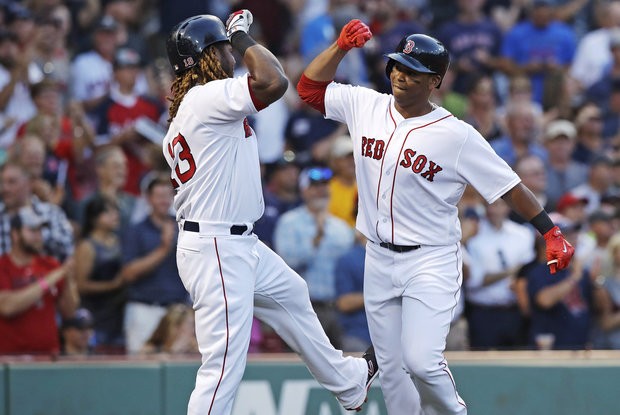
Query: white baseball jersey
213	156
412	172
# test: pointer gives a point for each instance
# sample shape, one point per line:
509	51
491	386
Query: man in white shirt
497	252
17	72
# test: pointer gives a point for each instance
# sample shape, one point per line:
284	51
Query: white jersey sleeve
347	101
220	102
481	167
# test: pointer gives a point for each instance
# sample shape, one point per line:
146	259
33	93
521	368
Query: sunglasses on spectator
319	174
314	176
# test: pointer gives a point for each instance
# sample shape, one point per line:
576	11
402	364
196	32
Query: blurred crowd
87	229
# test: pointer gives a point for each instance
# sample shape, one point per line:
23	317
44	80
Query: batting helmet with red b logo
189	38
421	53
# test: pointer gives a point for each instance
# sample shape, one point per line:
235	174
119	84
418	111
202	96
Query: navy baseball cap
106	23
126	58
82	319
27	217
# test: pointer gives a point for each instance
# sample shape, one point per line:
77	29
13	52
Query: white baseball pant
231	277
410	299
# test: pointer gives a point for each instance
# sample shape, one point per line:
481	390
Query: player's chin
399	94
398	88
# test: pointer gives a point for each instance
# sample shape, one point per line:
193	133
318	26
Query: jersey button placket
383	213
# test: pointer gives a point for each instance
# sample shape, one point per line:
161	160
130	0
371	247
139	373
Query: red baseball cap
568	200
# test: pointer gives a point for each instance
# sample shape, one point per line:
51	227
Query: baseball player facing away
228	272
413	161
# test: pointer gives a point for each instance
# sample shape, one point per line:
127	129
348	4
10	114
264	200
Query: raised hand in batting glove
238	21
354	34
559	251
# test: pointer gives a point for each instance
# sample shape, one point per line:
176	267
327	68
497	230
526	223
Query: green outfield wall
490	386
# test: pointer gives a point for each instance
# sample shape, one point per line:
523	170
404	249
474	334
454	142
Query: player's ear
435	81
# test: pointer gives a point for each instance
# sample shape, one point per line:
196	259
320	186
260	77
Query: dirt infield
519	358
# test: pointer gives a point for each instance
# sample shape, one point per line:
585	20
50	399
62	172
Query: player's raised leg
282	301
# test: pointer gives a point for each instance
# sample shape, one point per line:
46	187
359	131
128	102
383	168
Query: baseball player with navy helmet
213	156
413	161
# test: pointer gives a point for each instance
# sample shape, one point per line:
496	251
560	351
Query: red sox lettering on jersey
418	163
412	172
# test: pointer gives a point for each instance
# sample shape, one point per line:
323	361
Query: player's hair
208	69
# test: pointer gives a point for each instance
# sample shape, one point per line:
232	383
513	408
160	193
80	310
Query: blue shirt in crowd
350	279
570	319
526	43
293	241
163	286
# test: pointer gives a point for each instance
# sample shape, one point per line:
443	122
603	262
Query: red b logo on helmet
409	46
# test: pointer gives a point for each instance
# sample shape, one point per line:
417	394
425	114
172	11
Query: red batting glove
559	251
354	35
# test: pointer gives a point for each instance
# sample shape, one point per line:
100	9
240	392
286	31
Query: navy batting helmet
421	53
189	38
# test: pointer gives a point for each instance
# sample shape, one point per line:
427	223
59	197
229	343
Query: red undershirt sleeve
313	92
258	104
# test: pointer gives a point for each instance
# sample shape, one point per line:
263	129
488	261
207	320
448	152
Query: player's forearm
69	299
610	321
140	267
494	277
89	287
351	302
15	302
550	296
323	67
523	202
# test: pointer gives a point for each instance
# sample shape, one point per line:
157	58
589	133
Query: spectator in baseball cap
35	289
126	58
589	124
21	20
573	208
26	217
569	200
76	333
314	176
106	23
593	244
311	228
598	184
563	173
91	73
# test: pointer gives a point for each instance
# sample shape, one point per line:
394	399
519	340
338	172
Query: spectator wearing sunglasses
310	240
